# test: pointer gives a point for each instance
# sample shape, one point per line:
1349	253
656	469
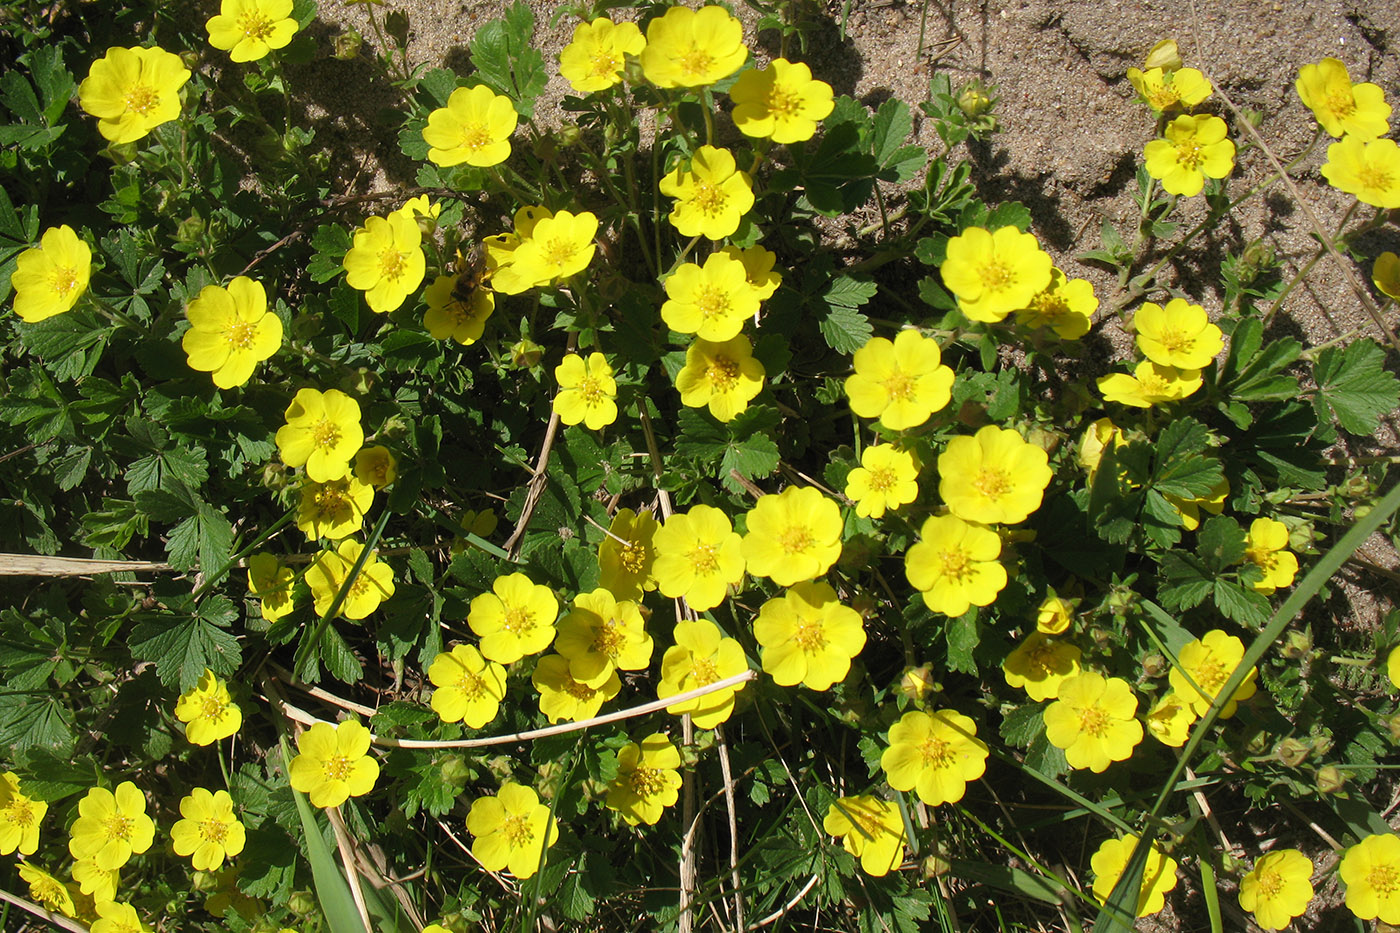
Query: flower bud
1292	752
1329	779
1154	665
1164	55
933	866
917	682
526	353
974	99
306	326
358	381
204	881
396	25
1393	724
347	45
1297	645
189	231
455	771
1355	486
1360	512
1300	537
275	476
568	135
302	903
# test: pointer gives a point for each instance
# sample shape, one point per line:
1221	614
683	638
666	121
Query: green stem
312	638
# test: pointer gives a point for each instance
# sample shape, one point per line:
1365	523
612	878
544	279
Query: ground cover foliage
722	389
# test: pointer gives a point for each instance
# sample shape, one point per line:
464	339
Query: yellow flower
586	391
1178	335
954	565
885	479
1094	721
993	476
133	91
1158	876
111	827
333	509
1162	90
118	917
1194	148
1164	55
594	60
808	637
1170	719
1096	437
1369	170
515	619
1343	108
793	536
231	331
1267	546
474	128
1278	888
711	301
701	656
500	251
1040	665
691	48
1204	665
96	883
602	635
207	710
20	816
646	781
698	555
562	697
993	274
329	571
333	763
464	320
723	376
1054	615
208	831
512	830
557	247
1392	667
376	466
469	687
871	829
386	261
271	584
1150	384
901	382
627	554
935	754
47	890
51	277
249	29
1371	871
1066	306
1189	510
758	268
322	433
1386	274
712	195
782	102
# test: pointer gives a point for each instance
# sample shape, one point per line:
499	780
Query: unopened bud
1329	779
1164	55
1297	645
302	903
1393	723
346	46
396	25
1300	537
306	326
934	866
1292	752
526	353
358	382
974	99
1154	665
568	135
455	772
204	881
275	476
189	230
917	682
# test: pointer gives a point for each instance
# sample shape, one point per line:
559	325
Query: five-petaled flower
328	572
47	890
20	816
450	315
322	433
558	246
111	827
1371	871
1170	719
133	91
376	466
886	479
1162	89
793	536
935	754
271	584
1278	888
647	781
994	475
231	331
562	697
1094	721
586	391
1150	384
712	195
782	102
333	509
1194	148
1202	669
474	128
209	831
692	48
1158	875
51	277
333	763
469	687
1066	306
207	710
954	565
627	554
1369	170
512	830
808	636
901	382
386	260
118	917
1040	664
711	301
249	29
724	376
1266	546
698	556
1343	108
993	273
1178	335
602	635
594	60
701	655
515	619
871	829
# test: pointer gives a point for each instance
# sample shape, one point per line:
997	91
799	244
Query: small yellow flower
701	655
1371	871
782	102
333	763
698	556
712	195
871	829
1178	335
935	754
562	697
1096	437
594	60
515	619
1164	55
271	584
558	247
724	376
1267	546
1170	720
647	781
451	316
249	29
333	509
512	830
118	917
1204	665
209	830
207	710
111	827
376	466
627	554
1158	876
20	816
993	476
1066	306
1162	90
500	251
1054	615
808	637
474	128
386	261
51	277
758	268
711	301
47	890
1278	888
1193	149
1040	665
1343	108
995	273
1386	274
885	479
322	433
1392	667
901	382
602	635
1094	721
692	48
133	91
1189	510
793	536
231	331
1369	170
96	883
954	565
331	568
1150	384
586	391
469	687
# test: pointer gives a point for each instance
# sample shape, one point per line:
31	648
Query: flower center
608	639
212	830
1174	340
141	98
899	386
63	280
702	556
604	64
1269	882
695	61
708	199
582	693
518	619
559	251
1341	101
1162	96
325	434
646	782
783	103
795	539
471	686
722	373
1385	879
119	827
21	812
475	136
1211	675
809	636
1188	153
240	334
212	707
1154	385
1094	721
591	391
996	275
956	563
1049	304
633	558
392	263
330	498
48	892
517	830
881	479
1040	659
1375	177
337	768
936	753
712	302
255	24
704	671
992	483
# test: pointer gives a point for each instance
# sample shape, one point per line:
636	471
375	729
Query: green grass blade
333	892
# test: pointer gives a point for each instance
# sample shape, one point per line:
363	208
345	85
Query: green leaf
1354	385
506	59
963	636
1180	468
1009	214
1220	543
1243	604
845	329
183	646
1186	581
1020	726
331	242
1253	371
35	722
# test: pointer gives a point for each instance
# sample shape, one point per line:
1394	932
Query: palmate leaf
506	59
1180	468
183	646
1353	384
